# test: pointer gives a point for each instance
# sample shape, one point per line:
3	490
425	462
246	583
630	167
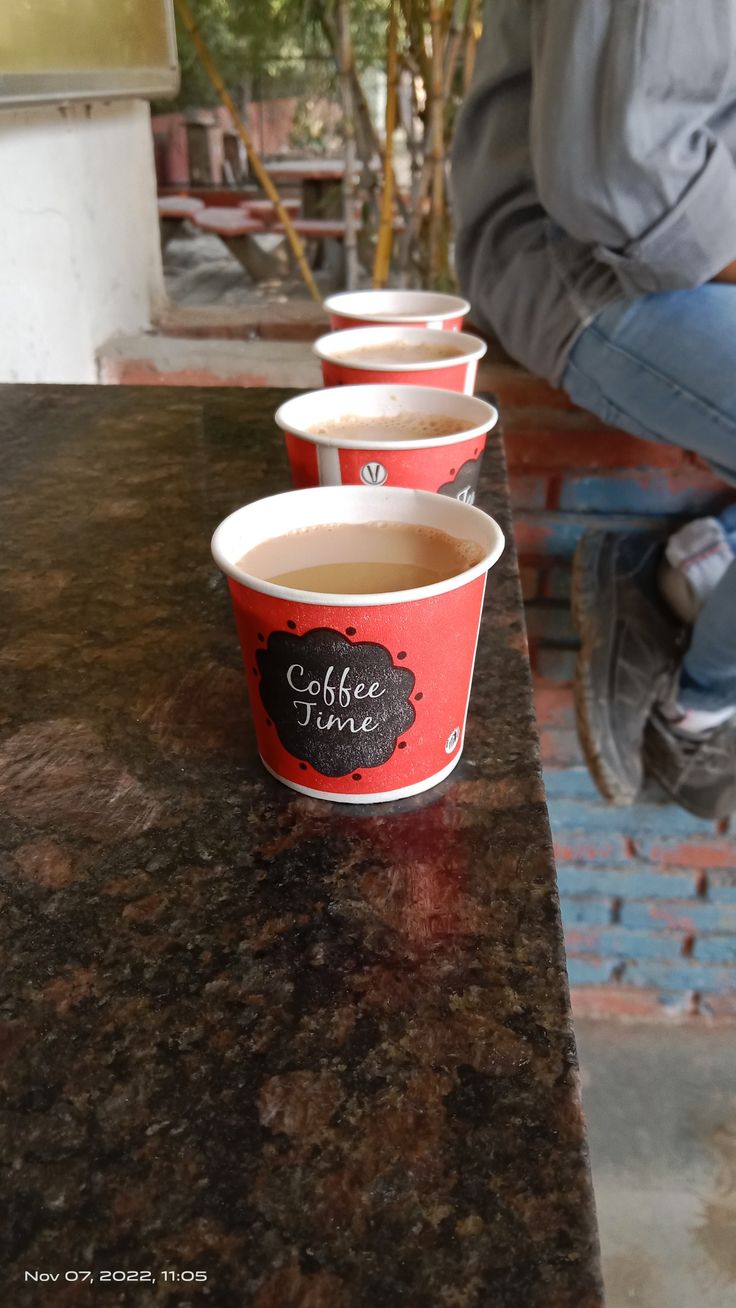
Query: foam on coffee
361	558
391	354
390	426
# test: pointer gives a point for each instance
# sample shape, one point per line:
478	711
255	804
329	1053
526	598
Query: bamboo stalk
452	47
470	43
385	230
414	19
345	62
437	138
253	157
367	140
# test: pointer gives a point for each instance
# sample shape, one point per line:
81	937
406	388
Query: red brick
581	849
691	854
530	581
560	748
551	446
528	491
514	387
553	705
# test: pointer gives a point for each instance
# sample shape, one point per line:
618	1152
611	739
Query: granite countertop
322	1055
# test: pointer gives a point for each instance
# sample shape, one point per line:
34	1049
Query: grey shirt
594	158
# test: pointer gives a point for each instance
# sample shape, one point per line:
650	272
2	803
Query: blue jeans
664	367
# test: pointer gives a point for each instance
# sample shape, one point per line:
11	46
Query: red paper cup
447	464
454	371
402	308
357	698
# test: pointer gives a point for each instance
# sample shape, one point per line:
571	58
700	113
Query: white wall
80	256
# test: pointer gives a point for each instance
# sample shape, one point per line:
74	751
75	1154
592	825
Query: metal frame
23	89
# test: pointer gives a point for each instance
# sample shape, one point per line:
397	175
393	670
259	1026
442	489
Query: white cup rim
372	394
456	307
380	504
327	347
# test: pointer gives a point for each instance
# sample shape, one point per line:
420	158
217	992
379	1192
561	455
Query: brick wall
648	893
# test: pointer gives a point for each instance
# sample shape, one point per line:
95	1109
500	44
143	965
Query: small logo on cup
452	740
373	474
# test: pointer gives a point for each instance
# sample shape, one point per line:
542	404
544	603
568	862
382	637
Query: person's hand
727	274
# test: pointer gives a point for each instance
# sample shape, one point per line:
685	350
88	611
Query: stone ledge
149	360
298	321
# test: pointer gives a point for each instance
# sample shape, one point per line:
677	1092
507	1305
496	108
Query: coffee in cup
361	558
395	353
391	427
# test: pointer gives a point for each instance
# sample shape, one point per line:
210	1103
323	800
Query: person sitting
594	178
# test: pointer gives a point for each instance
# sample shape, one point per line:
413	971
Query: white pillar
80	257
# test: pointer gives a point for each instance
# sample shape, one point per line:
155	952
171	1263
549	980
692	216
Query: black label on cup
335	704
465	483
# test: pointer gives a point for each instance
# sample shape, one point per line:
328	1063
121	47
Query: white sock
695	722
696	557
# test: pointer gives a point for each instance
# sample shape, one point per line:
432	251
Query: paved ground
198	269
661	1108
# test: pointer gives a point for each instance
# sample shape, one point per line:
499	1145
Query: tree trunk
452	46
436	126
345	64
412	220
382	261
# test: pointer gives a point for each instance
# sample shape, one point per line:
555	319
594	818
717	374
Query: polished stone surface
322	1055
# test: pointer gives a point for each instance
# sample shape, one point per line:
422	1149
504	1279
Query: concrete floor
660	1102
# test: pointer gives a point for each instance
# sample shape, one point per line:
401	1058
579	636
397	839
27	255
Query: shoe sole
584	590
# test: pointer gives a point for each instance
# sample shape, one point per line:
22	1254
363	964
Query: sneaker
631	645
697	771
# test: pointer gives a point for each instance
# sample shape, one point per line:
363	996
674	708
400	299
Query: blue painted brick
527	490
626	885
715	949
586	912
680	976
641	492
558	582
590	972
722	887
565	783
579	815
549	621
556	665
617	942
557	534
671	915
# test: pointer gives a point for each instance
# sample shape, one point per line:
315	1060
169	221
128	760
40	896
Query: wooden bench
237	230
172	211
265	210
